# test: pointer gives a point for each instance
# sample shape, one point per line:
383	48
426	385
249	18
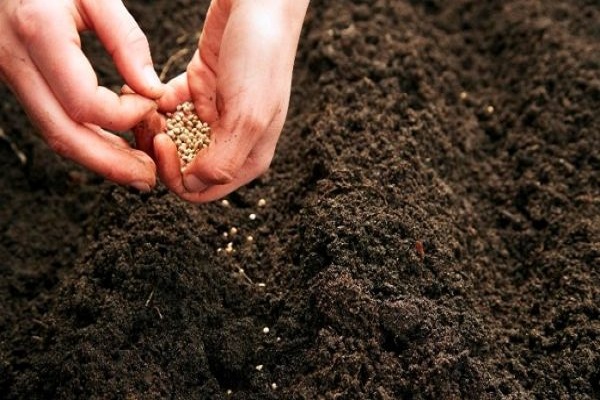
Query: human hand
42	62
239	81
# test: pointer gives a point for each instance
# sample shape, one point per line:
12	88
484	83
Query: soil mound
430	229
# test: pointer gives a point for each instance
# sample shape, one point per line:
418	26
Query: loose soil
431	227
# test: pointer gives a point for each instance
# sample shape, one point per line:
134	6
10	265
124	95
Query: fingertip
154	87
176	92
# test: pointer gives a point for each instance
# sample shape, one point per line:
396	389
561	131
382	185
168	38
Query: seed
249	239
225	203
489	109
266	329
252	217
187	131
233	230
273	386
262	202
259	367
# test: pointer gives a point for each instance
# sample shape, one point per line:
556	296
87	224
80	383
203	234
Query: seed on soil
188	132
249	239
266	329
262	202
259	367
233	231
225	203
273	386
252	217
489	109
463	95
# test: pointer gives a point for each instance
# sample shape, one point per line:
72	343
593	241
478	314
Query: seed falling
188	132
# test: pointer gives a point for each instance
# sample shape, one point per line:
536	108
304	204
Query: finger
220	162
126	43
204	64
256	165
168	163
54	46
202	82
176	92
82	144
146	130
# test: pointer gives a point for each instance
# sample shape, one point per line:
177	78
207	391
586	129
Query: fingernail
141	186
193	184
152	78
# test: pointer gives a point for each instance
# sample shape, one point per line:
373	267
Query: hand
239	81
42	62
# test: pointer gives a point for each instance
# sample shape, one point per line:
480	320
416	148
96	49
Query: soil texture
431	226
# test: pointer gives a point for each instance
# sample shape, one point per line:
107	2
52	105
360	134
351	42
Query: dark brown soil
106	293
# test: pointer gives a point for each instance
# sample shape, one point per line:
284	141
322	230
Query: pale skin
42	62
239	80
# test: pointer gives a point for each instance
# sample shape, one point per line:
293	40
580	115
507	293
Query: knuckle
221	174
254	124
133	42
259	165
28	18
78	111
57	145
136	38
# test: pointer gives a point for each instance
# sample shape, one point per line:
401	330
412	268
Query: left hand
42	62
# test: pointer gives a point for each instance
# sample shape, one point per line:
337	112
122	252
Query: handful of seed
188	132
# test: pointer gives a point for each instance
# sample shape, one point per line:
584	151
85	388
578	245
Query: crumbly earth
470	127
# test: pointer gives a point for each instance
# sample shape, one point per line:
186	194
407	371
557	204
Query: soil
431	227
